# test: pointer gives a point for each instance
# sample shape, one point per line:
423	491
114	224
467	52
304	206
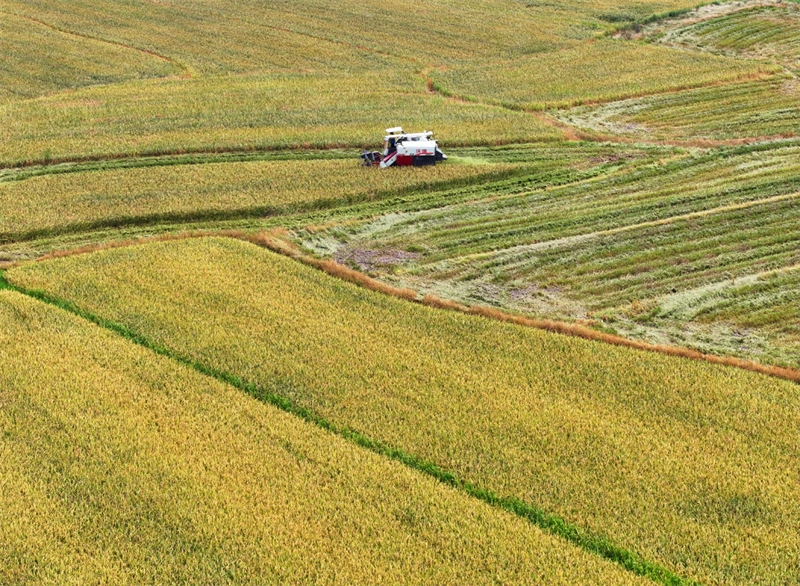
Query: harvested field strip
182	461
80	201
757	32
633	195
552	244
651	451
752	109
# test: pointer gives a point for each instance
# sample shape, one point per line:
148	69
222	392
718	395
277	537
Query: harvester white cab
405	149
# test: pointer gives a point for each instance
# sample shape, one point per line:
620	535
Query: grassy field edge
592	543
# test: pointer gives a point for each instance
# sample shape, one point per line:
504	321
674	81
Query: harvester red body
405	149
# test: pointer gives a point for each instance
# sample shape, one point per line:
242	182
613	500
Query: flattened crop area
690	465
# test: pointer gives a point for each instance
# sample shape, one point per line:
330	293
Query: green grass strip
553	524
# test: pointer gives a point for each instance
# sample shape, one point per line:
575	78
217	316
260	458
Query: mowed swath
100	198
688	464
122	466
740	111
635	236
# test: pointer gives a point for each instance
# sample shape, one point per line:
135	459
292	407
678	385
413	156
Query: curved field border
274	242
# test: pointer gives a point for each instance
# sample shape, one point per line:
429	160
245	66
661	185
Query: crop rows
688	464
179	468
80	201
602	71
758	32
239	113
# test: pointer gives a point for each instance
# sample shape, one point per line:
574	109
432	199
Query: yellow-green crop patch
234	113
690	465
749	110
74	201
601	71
38	60
121	466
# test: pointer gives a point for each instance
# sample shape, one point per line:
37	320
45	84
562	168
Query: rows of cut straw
734	112
633	235
120	466
688	464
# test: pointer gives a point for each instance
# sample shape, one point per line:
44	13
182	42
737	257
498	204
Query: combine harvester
405	149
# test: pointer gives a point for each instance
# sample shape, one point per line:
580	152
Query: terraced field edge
592	543
568	329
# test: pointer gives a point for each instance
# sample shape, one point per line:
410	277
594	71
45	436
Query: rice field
120	466
761	30
38	60
630	172
690	465
79	201
603	71
270	112
607	247
738	112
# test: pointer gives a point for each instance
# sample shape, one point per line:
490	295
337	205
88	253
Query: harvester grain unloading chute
405	149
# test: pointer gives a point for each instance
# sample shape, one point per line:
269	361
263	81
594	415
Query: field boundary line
547	522
272	241
334	269
187	71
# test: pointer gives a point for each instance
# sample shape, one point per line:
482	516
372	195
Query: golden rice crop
120	466
691	465
81	200
214	36
596	72
39	60
230	113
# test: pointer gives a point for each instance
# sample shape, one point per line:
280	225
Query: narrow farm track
187	72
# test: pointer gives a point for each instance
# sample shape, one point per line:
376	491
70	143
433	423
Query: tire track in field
187	72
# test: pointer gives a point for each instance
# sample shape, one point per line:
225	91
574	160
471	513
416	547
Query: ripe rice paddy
134	119
122	466
687	464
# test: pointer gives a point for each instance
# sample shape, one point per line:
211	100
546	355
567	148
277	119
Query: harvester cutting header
405	149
